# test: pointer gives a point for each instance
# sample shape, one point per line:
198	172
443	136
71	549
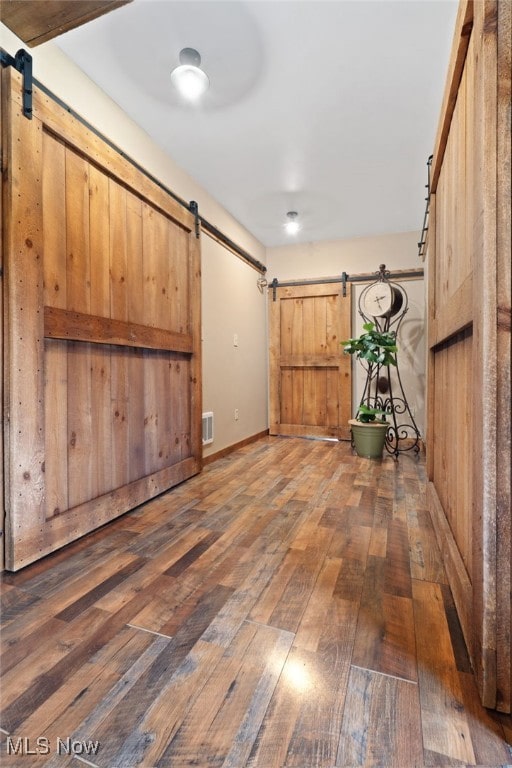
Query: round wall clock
381	300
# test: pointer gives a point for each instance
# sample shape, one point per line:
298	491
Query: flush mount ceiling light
189	79
292	226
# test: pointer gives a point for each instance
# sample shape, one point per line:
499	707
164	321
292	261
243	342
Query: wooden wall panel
452	439
103	334
504	352
24	329
3	123
469	340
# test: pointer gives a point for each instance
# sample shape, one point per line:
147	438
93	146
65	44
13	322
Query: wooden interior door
102	366
310	377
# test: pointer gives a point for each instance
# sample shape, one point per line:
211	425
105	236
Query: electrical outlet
235	339
236	414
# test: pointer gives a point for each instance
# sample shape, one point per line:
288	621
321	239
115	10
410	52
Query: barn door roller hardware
275	284
424	229
345	278
22	62
194	209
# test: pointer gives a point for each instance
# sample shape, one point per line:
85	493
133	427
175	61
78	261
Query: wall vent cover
207	428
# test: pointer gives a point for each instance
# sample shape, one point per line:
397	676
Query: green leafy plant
375	347
365	414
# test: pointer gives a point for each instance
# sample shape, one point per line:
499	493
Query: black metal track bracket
194	208
274	285
22	63
423	239
344	283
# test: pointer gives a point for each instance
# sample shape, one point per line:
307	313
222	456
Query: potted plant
375	349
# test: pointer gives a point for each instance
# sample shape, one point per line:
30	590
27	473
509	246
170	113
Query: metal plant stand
379	391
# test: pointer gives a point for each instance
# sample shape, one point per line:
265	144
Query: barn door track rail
345	278
22	62
424	230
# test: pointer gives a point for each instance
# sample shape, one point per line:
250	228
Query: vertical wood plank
99	234
120	386
80	469
504	374
161	273
297	396
120	394
484	381
193	372
275	309
175	408
430	398
80	456
24	383
286	396
344	376
77	233
135	313
134	259
55	294
150	413
101	419
164	416
3	171
284	307
54	221
56	426
101	411
150	245
136	414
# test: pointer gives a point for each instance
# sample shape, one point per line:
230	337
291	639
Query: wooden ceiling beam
36	22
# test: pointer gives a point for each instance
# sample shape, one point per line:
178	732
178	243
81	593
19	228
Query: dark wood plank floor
287	607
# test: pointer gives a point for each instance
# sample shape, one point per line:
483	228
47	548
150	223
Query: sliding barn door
310	378
469	403
102	335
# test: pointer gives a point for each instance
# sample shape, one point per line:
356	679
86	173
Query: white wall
332	257
361	255
231	300
233	305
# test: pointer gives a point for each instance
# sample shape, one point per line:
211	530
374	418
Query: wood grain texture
107	393
309	375
3	139
469	339
35	22
445	725
24	338
238	620
504	372
380	717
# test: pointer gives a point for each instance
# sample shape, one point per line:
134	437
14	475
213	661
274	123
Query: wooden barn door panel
310	378
102	332
469	340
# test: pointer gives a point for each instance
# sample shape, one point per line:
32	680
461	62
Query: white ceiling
326	107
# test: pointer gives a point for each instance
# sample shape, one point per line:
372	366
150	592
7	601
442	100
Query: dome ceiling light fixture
292	226
188	78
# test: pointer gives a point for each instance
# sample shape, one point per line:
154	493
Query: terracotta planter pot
369	439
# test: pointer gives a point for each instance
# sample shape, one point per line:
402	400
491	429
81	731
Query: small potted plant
375	349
